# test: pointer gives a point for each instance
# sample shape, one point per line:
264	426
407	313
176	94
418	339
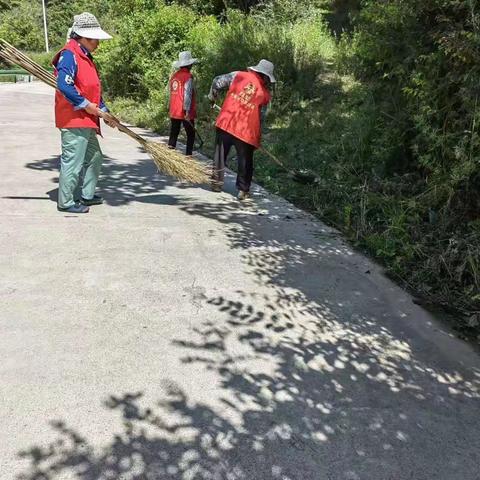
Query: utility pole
45	25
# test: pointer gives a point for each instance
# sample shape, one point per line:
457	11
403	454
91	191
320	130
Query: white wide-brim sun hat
185	59
265	67
86	25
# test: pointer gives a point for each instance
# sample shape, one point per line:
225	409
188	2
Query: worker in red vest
78	106
183	108
239	121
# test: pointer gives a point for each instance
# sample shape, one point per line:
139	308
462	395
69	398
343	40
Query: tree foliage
21	24
422	60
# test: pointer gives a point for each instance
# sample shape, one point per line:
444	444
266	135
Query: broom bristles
177	165
167	161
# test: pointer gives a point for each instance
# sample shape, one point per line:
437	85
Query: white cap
86	25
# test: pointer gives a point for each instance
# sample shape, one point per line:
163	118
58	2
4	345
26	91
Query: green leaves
22	26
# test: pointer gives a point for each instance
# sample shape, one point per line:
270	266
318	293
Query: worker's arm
222	82
66	74
102	106
188	97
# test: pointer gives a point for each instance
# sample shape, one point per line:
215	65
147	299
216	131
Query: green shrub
22	26
423	61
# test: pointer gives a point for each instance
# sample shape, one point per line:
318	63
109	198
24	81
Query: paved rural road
172	334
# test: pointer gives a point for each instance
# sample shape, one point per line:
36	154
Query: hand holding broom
167	161
109	119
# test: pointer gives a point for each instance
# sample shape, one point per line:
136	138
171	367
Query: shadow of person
120	183
53	195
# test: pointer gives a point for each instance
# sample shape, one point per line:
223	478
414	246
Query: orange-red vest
177	95
240	114
88	85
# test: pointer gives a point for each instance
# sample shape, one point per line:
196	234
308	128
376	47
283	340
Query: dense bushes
137	64
22	25
421	62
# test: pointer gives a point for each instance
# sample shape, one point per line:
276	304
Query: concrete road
174	334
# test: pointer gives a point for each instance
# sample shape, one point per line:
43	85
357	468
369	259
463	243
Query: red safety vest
240	114
177	95
88	85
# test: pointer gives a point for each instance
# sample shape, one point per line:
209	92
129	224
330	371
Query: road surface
174	334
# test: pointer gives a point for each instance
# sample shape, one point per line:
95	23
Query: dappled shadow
120	183
321	374
306	270
305	407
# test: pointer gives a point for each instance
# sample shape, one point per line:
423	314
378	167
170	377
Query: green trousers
80	152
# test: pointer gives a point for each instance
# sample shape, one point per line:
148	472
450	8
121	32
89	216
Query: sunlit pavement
172	333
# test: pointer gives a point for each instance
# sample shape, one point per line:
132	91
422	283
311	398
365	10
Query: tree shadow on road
321	374
120	183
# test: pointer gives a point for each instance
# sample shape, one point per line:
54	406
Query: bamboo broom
168	161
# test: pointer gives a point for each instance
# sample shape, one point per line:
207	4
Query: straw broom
167	160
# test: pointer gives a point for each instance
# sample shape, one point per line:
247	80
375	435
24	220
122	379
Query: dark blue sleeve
102	106
67	71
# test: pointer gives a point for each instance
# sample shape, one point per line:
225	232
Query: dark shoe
76	208
216	186
96	200
243	196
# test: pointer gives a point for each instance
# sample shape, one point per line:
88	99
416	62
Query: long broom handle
50	79
197	132
44	76
17	53
275	159
22	56
123	128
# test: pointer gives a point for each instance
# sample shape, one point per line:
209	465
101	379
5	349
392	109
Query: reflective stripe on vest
240	114
88	85
177	95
